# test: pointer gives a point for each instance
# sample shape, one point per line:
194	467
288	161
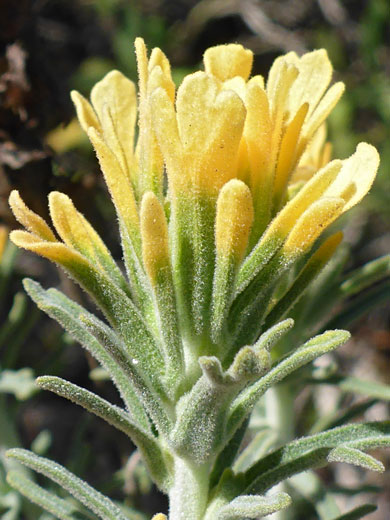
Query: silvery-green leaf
355	457
102	506
115	416
58	507
253	506
366	275
68	313
312	349
309	452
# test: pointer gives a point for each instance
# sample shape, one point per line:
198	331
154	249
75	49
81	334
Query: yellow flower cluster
252	152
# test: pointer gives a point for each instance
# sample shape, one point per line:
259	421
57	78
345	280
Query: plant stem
188	495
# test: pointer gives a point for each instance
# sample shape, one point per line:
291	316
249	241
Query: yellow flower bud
234	219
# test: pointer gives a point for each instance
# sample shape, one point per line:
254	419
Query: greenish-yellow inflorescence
252	150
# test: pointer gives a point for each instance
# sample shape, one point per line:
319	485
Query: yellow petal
115	102
159	516
226	61
85	112
158	78
257	80
154	233
325	155
316	155
117	183
238	85
279	108
311	224
219	158
324	108
315	74
195	111
279	90
356	175
74	229
54	251
257	134
327	248
64	138
119	93
167	133
288	153
210	124
30	220
153	74
160	61
150	159
310	193
277	70
142	65
234	219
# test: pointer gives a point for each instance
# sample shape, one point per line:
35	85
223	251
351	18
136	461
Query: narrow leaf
310	271
355	457
341	417
309	452
366	276
366	388
145	388
40	496
360	305
118	308
273	334
118	418
312	349
252	506
68	313
358	512
257	447
102	506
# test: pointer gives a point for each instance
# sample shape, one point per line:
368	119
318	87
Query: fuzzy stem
188	495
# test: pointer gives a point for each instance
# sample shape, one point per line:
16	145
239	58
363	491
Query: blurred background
47	48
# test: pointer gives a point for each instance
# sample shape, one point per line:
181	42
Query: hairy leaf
67	313
40	496
312	349
355	457
102	506
115	416
252	506
311	452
